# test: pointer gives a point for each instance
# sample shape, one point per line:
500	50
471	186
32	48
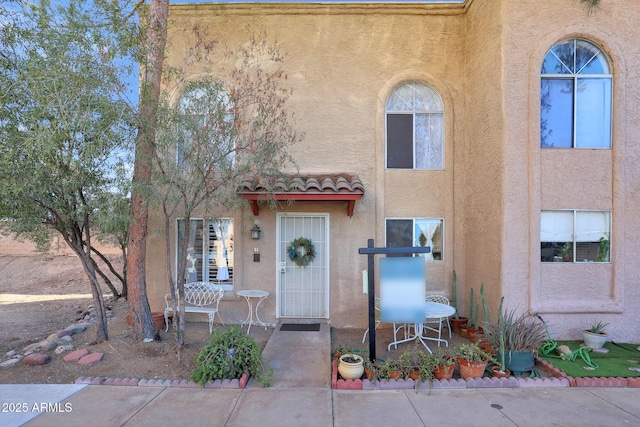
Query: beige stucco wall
481	162
483	59
343	61
571	296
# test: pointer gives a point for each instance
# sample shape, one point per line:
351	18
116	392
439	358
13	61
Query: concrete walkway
301	396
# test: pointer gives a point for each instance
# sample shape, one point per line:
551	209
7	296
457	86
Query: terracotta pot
495	371
158	320
485	346
464	331
471	369
444	372
369	373
476	335
414	373
394	375
457	324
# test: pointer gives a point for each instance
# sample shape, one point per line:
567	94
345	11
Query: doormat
297	327
622	360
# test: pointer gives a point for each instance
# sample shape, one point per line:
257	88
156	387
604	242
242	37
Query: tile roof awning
316	188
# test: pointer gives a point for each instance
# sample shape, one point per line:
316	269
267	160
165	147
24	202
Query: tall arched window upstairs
414	128
575	97
207	127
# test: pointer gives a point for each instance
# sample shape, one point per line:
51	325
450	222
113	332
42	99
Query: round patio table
248	294
433	310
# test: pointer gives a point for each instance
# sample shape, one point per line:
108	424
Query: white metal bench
199	297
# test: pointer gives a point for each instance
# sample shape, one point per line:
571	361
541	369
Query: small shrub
229	355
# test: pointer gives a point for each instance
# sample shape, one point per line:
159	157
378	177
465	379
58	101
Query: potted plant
444	363
390	370
350	366
596	336
458	321
416	364
229	355
472	360
566	252
371	369
517	338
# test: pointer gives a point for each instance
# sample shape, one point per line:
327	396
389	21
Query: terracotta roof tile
319	187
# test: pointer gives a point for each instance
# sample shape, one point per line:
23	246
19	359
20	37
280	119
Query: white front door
303	291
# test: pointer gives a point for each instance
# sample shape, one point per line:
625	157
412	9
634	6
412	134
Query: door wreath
309	251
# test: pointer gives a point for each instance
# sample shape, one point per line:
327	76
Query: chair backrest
202	293
437	298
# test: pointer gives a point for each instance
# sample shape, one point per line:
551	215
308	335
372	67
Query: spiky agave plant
591	4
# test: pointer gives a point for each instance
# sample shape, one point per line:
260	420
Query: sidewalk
164	406
301	396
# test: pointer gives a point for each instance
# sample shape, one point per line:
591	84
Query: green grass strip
615	363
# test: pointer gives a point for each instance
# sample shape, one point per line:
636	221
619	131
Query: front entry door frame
317	272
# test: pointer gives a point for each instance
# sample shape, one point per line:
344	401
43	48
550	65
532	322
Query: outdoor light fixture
255	232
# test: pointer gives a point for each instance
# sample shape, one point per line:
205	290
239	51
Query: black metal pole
372	302
371	251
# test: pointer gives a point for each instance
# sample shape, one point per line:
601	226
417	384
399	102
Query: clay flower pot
158	319
444	372
350	366
414	373
593	340
471	369
475	335
495	371
457	324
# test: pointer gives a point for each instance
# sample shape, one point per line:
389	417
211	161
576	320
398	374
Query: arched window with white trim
414	128
575	96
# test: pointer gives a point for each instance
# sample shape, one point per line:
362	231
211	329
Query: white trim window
210	251
575	97
207	120
575	236
414	128
417	232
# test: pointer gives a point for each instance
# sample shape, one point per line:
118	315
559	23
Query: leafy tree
230	126
63	116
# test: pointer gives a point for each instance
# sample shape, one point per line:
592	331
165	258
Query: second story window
208	128
414	128
575	97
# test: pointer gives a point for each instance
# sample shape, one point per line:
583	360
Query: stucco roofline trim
321	8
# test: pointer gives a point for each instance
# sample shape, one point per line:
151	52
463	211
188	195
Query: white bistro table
248	294
434	311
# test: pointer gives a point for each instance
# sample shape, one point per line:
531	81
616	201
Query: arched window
575	97
414	128
207	122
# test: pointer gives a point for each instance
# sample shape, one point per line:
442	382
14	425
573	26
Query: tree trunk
107	282
98	300
154	44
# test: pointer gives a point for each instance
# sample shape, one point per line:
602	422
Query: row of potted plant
419	365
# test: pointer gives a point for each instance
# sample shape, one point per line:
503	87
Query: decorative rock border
133	382
59	342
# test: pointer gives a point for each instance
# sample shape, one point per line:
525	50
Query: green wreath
309	251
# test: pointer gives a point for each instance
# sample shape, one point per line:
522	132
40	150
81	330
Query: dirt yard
40	295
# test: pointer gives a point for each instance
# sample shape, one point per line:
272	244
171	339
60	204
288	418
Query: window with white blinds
575	236
209	251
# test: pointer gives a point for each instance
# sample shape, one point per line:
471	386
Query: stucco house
503	134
